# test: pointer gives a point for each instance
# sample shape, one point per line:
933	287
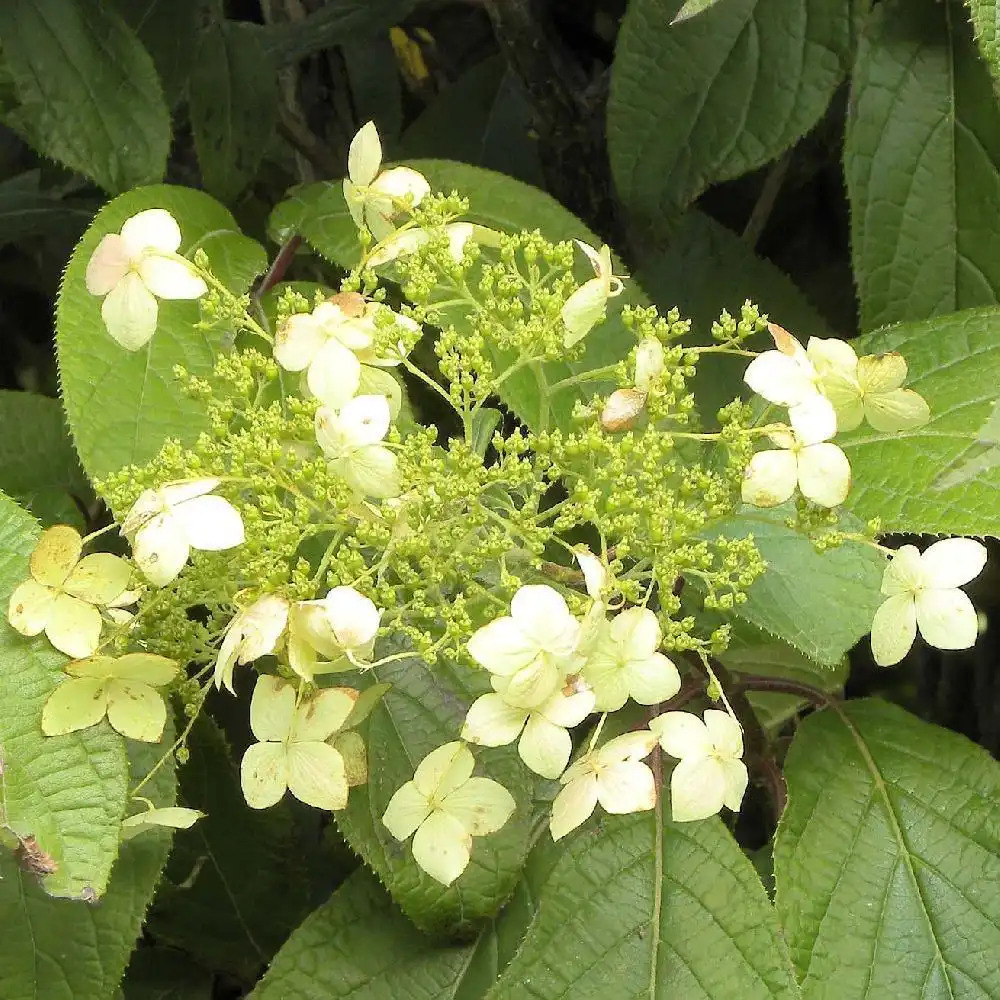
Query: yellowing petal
627	787
481	805
502	647
824	474
830	356
442	847
272	708
29	607
407	809
316	775
99	667
264	774
170	279
530	686
698	788
770	478
210	523
400	184
154	228
893	629
881	373
573	806
398	244
545	747
444	769
171	817
146	668
583	309
568	710
160	550
541	612
905	572
900	410
73	626
627	747
78	703
320	716
351	748
108	264
365	155
491	722
55	555
130	312
98	578
371	471
682	734
136	710
953	562
947	619
724	732
653	679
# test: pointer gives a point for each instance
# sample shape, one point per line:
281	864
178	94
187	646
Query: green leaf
234	106
122	405
376	88
68	792
26	210
922	159
38	466
163	974
886	856
708	268
425	709
319	213
88	95
715	96
235	885
641	906
820	603
942	477
74	950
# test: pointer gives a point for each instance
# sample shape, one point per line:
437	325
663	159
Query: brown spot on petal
783	340
622	409
349	303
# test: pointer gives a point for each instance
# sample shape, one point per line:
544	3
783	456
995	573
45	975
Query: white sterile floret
624	663
406	241
444	807
585	307
595	573
711	773
529	651
545	744
867	388
613	775
374	198
254	632
821	472
649	362
133	268
787	377
922	592
350	440
166	523
340	628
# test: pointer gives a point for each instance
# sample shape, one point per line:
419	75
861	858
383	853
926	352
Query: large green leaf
922	158
820	603
164	974
641	906
986	24
73	950
68	792
423	710
319	213
87	92
888	857
121	405
38	466
27	210
208	906
943	477
716	95
234	105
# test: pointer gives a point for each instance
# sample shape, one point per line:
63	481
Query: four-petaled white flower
529	651
253	633
821	471
585	307
922	591
340	627
545	743
294	753
787	377
867	388
350	439
624	663
375	198
166	523
63	594
613	775
444	806
132	268
711	773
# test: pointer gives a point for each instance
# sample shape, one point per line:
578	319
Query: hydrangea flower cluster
312	537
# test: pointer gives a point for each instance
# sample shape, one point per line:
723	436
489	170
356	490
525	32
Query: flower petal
583	310
298	341
900	410
318	717
29	607
365	419
129	311
153	228
736	781
545	747
135	710
73	626
947	619
210	523
353	617
770	478
779	378
365	155
146	668
264	774
481	805
316	775
830	356
160	550
542	613
399	184
698	788
953	562
334	374
813	420
442	847
905	572
824	474
632	746
682	734
530	686
491	722
893	629
568	710
573	806
627	787
407	809
78	703
98	578
183	490
444	769
108	264
170	279
502	647
371	471
724	732
272	708
881	373
653	679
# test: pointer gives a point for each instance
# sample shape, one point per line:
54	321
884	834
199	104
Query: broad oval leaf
87	93
121	405
943	477
716	95
68	792
986	24
887	858
641	906
319	213
922	160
